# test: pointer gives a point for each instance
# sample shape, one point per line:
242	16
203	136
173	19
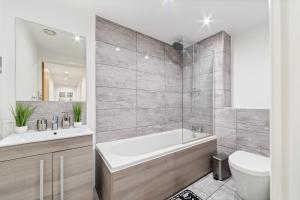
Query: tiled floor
208	188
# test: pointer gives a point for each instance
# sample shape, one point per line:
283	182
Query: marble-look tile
151	82
226	42
263	130
150	99
115	135
150	116
146	130
207	185
204	99
225	193
255	142
173	84
108	55
203	82
225	118
205	65
173	126
115	119
222	80
260	151
187	100
173	100
107	76
225	150
149	46
222	98
107	98
198	116
211	45
257	117
226	137
187	79
46	110
115	34
150	64
173	115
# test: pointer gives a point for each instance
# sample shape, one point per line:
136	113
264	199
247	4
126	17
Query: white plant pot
77	124
21	129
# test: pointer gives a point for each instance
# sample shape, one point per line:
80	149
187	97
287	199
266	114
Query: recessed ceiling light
206	21
170	2
66	72
77	38
146	57
49	32
118	49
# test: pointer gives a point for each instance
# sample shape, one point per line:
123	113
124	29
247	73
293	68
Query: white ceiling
172	21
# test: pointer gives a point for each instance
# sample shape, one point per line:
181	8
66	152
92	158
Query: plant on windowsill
77	110
21	114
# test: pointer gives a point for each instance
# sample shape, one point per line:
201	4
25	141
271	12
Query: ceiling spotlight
118	49
146	57
77	38
66	72
206	21
170	2
49	32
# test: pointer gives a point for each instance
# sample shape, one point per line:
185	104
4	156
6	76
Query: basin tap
54	122
66	120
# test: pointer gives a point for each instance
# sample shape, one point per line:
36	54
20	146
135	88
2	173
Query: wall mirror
50	64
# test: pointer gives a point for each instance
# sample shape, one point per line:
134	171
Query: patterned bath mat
185	195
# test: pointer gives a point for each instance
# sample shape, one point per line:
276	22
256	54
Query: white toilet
251	175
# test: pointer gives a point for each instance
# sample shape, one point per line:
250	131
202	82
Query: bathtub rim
154	155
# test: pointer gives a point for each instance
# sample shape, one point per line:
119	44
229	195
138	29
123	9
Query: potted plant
21	114
77	110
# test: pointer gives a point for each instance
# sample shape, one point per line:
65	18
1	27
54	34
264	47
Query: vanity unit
47	165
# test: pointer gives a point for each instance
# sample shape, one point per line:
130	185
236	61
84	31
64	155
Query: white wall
251	69
26	62
53	13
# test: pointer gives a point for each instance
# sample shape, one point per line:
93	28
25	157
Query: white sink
39	136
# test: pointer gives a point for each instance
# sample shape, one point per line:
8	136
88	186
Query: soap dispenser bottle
66	120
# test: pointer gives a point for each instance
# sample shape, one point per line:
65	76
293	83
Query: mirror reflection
50	64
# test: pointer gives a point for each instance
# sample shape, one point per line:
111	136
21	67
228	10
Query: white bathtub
122	154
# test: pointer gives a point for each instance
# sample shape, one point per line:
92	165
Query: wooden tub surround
158	178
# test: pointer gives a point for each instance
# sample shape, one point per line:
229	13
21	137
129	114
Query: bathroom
143	99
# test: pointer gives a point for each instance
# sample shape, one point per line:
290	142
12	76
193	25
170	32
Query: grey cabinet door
27	178
73	174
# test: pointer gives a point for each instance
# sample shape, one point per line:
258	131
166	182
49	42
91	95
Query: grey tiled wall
206	78
243	129
46	110
134	95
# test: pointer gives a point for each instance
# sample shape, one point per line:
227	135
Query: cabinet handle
41	179
61	177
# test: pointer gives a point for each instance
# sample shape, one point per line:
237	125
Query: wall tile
173	84
115	34
145	130
46	110
173	115
254	142
222	80
115	119
173	100
257	117
210	45
153	65
108	98
226	137
173	126
150	116
107	136
151	82
225	150
225	118
149	99
108	76
187	100
222	98
253	149
106	54
149	46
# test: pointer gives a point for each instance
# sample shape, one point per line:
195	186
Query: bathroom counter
42	136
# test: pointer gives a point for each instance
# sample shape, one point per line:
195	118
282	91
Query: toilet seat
250	163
